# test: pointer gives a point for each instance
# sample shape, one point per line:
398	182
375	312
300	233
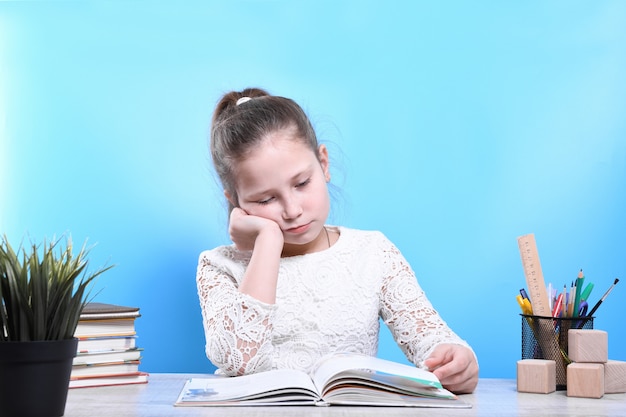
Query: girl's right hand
265	239
245	229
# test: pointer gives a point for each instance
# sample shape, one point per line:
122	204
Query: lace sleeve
415	324
237	327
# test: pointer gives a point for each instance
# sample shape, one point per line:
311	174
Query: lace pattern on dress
327	302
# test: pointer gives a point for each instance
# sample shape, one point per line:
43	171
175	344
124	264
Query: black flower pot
34	377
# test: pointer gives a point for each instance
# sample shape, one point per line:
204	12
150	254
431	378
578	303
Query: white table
493	397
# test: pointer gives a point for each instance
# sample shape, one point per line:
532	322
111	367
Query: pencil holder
546	338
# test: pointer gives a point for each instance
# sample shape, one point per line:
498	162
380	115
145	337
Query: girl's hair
243	119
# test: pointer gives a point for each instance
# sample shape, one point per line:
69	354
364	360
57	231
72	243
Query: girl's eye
266	201
303	183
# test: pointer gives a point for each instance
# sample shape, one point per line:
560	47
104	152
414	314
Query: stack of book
107	347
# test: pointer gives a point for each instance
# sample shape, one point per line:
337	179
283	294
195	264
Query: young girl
293	289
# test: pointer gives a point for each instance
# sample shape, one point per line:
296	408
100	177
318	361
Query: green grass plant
43	289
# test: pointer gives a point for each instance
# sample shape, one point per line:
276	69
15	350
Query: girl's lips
299	229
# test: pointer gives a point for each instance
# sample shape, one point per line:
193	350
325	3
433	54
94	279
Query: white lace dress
328	301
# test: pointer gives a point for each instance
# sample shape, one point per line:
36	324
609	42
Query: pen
556	312
520	301
570	300
524	305
529	307
550	297
593	310
526	308
524	294
581	313
585	294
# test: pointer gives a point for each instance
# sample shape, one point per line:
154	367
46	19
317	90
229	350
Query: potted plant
43	289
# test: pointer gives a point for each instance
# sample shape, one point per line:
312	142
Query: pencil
579	289
570	301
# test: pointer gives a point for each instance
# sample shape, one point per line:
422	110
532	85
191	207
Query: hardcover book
97	311
105	369
104	381
105	328
112	356
106	344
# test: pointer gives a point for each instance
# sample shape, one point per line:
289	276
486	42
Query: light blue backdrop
455	127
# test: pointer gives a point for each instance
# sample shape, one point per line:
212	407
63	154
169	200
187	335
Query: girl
293	289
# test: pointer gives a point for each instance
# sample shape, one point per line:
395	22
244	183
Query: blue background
454	128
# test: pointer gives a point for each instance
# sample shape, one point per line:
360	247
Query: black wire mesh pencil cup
547	338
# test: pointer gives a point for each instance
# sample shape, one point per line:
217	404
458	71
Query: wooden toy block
536	375
614	377
585	380
587	345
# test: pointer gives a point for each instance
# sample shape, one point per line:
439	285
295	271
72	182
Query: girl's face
284	181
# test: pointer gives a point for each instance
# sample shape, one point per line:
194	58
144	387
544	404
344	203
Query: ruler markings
534	276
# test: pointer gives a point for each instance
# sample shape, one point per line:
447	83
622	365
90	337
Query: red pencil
556	311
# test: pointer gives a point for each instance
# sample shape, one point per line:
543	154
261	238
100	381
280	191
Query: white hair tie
243	100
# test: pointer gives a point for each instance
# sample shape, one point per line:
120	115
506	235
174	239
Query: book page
340	363
374	383
354	379
263	388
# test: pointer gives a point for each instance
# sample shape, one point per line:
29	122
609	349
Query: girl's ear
230	198
322	155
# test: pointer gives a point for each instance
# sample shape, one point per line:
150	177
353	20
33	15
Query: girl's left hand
455	366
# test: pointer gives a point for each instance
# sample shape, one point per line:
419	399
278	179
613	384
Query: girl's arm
419	330
238	327
237	314
265	239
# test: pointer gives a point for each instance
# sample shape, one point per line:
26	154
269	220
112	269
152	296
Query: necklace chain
327	237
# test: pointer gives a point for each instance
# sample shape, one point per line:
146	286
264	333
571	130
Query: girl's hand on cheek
244	229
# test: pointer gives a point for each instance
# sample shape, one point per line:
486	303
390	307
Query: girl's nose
291	209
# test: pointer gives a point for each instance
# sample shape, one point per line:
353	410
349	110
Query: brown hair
243	119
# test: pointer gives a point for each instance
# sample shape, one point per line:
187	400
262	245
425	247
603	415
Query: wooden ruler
543	329
534	277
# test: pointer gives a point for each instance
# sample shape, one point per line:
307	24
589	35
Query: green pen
585	294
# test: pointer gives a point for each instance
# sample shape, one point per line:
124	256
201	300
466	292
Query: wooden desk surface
493	397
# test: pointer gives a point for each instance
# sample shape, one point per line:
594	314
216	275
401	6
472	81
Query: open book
341	379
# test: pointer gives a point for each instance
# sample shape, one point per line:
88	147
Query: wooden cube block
587	345
614	377
585	380
536	375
